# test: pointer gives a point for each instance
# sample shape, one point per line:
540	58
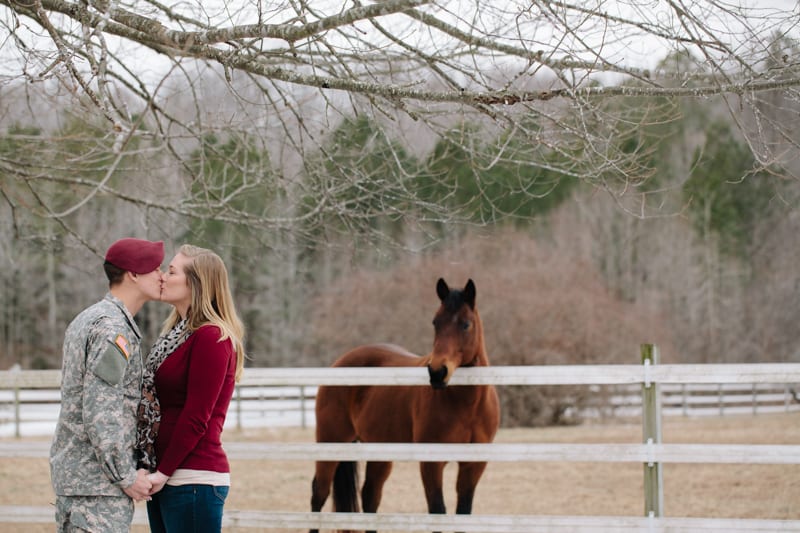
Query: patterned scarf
149	411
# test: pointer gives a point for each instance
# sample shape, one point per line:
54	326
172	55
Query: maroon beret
136	255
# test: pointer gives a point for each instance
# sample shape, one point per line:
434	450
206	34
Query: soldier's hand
140	490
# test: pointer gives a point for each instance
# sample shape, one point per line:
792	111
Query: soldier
92	461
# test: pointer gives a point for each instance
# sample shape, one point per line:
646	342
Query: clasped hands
146	485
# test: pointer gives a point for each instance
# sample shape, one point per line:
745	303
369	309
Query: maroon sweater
195	384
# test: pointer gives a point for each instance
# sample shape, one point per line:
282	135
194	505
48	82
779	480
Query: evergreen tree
725	192
508	178
358	184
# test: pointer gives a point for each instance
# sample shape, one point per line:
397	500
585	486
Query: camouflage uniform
92	455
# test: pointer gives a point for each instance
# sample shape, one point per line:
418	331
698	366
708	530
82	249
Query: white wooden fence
649	453
31	398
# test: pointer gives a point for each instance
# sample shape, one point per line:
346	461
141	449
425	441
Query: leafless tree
556	73
162	120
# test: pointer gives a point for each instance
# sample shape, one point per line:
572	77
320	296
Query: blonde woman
188	384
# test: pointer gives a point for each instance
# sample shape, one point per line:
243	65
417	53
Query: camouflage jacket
101	378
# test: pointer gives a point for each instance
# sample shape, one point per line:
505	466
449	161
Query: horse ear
469	293
442	290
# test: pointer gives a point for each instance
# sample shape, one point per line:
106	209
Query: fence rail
473	523
497	375
647	453
786	454
278	397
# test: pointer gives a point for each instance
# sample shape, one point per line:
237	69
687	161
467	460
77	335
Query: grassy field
546	488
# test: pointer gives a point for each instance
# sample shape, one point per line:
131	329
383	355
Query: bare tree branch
558	74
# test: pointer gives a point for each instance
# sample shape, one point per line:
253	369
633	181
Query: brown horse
457	414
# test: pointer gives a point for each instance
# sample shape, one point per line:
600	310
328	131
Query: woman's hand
158	480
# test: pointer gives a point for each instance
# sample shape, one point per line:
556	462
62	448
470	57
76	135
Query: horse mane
454	301
483	357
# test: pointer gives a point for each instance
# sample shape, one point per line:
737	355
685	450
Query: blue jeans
187	509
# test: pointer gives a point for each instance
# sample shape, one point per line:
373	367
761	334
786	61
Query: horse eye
465	325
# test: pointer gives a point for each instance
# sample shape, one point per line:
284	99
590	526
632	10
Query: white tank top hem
186	476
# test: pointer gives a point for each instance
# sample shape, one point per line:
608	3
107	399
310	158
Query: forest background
669	227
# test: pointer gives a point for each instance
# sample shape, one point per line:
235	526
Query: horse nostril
437	377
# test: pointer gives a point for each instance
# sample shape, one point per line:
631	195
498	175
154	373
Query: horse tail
345	487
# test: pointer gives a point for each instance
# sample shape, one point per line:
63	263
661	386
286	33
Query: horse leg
432	474
376	475
468	476
321	486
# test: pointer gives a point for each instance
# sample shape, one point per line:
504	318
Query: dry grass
724	491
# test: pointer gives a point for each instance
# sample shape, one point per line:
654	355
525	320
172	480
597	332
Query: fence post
786	396
302	406
684	400
651	425
17	414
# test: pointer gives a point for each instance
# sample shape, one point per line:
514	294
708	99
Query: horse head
458	337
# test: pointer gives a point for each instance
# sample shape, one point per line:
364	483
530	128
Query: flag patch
122	344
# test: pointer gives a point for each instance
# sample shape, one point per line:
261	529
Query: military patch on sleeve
122	343
111	365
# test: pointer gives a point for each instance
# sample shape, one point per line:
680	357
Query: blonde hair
212	302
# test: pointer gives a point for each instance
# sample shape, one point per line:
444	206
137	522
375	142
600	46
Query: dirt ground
536	488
